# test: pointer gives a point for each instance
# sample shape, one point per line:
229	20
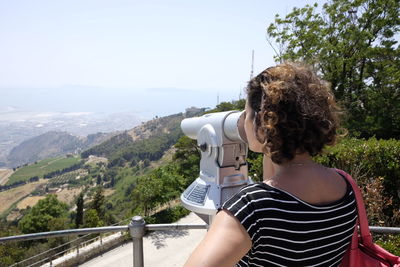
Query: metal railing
137	228
69	247
51	254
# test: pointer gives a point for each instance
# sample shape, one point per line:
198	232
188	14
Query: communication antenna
252	64
218	98
251	72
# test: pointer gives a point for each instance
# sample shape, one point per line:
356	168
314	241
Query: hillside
19	124
42	168
147	141
51	144
142	171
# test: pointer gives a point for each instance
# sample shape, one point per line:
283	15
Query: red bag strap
362	214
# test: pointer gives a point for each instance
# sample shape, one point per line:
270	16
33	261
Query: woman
303	214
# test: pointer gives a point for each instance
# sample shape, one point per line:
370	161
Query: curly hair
295	111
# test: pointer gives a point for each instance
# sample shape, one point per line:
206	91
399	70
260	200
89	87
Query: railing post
101	246
136	229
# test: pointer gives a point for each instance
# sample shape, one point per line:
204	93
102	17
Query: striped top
286	231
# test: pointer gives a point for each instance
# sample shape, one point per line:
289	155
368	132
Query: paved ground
161	248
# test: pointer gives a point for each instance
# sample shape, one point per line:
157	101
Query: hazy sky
148	57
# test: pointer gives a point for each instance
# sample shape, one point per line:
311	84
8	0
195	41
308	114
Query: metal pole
101	246
64	233
136	229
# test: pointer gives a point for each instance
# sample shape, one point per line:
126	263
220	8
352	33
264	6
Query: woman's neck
270	169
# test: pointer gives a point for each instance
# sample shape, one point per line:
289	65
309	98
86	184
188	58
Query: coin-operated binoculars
223	168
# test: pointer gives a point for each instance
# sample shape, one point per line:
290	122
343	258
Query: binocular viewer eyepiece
229	124
223	168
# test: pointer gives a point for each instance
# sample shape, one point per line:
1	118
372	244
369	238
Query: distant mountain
18	125
146	141
52	144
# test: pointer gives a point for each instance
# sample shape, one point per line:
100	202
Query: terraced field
41	168
4	175
12	196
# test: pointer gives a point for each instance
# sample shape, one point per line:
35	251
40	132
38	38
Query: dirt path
48	163
4	175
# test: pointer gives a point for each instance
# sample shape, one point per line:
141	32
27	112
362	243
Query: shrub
375	165
367	160
168	215
389	242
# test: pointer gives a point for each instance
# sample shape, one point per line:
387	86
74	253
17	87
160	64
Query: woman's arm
225	243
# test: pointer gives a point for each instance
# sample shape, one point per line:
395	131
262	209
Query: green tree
39	218
172	183
98	179
146	163
353	45
10	252
55	224
187	158
112	182
92	219
147	194
227	106
79	211
133	162
98	202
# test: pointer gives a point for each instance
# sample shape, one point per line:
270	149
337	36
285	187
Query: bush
389	242
367	160
375	165
168	215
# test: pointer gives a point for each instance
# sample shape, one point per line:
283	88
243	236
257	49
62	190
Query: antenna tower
252	64
251	71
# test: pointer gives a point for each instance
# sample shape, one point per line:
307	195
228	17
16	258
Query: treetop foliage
353	44
41	217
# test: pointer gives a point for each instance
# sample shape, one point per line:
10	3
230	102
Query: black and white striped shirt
286	231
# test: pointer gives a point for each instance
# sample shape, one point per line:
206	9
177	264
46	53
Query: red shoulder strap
362	214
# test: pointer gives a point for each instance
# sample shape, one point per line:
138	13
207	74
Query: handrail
81	231
384	230
137	228
97	230
49	258
148	227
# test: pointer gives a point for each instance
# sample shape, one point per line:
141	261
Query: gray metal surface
136	229
82	231
384	230
149	227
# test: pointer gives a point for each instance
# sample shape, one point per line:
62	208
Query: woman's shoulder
258	189
254	193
